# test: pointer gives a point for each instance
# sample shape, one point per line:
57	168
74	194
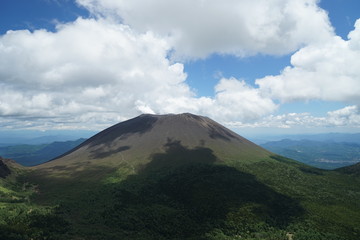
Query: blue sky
255	66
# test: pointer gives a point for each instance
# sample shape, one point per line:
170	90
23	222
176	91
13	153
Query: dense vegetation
325	155
22	219
186	194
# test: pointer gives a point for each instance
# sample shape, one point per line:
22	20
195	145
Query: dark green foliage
192	200
186	193
20	219
330	200
24	222
353	169
183	194
189	194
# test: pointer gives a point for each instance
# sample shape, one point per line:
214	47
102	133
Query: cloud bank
97	71
346	117
127	60
199	28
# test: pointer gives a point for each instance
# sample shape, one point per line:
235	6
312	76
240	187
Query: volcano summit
135	141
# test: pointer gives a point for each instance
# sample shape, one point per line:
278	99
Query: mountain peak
171	116
137	139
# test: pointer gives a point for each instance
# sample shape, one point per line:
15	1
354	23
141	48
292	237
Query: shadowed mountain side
140	125
177	155
4	170
183	193
353	169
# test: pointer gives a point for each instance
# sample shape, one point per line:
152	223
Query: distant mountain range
30	155
322	137
321	154
20	137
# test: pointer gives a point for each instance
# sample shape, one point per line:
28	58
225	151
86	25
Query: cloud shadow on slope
141	125
186	193
103	154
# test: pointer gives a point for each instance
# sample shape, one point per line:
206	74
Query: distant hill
21	137
326	155
30	155
331	137
353	169
321	137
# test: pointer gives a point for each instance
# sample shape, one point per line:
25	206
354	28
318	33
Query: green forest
191	200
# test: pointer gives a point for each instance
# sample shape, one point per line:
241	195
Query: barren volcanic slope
137	139
187	177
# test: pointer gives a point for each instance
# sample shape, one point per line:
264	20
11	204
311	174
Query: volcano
183	176
136	140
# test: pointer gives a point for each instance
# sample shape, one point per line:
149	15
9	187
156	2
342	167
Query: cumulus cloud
85	67
330	72
235	100
92	73
346	117
97	72
199	28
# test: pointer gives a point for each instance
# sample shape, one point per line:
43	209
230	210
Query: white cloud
329	71
234	99
89	66
346	117
198	28
95	72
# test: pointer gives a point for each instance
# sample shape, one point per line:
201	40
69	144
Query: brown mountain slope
133	142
